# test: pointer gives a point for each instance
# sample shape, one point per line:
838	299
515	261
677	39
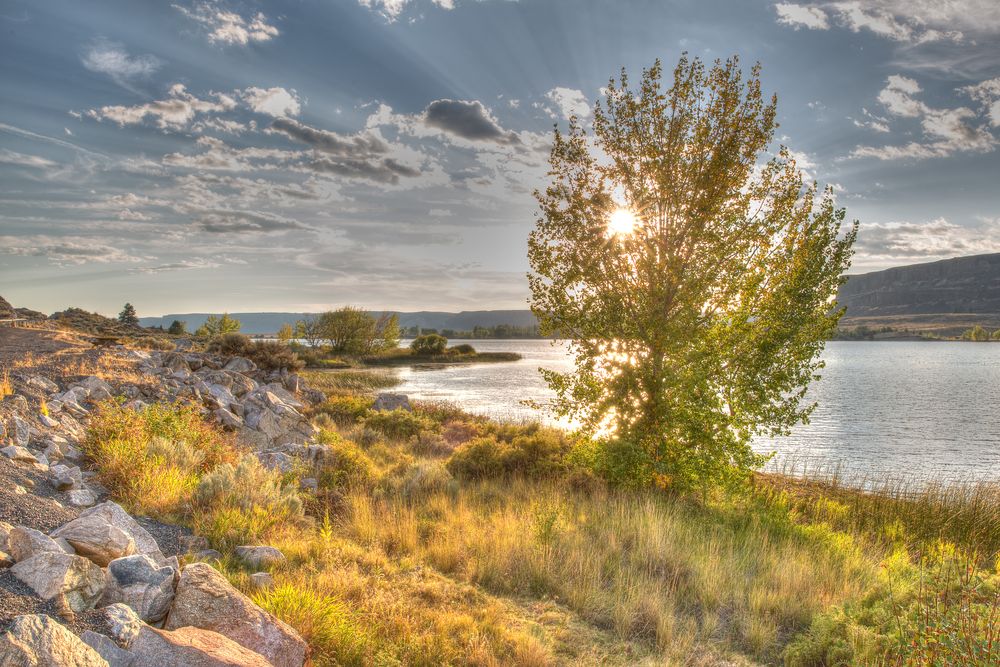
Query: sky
253	155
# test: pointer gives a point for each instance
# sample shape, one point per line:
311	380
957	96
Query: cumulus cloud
391	9
112	59
276	102
218	155
945	131
229	27
987	94
800	16
173	113
386	170
568	102
467	119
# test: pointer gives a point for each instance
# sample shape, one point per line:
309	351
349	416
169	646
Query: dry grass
6	387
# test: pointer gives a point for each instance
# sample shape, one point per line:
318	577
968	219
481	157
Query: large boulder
72	580
39	641
118	517
205	599
93	537
123	623
192	647
241	365
141	584
107	649
24	542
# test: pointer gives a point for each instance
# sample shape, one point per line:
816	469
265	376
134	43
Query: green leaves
703	326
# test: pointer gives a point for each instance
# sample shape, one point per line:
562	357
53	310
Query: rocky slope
82	582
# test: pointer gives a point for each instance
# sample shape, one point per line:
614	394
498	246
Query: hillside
944	297
255	323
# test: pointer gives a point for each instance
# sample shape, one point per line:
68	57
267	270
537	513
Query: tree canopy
128	316
694	278
218	326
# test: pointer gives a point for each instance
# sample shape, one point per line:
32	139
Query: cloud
904	21
391	9
69	250
228	27
180	265
568	102
386	171
358	145
987	94
945	131
244	222
111	58
467	119
22	160
173	113
276	102
902	242
220	156
800	16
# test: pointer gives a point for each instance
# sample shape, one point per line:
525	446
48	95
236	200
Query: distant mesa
944	297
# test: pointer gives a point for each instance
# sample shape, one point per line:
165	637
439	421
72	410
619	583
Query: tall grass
352	381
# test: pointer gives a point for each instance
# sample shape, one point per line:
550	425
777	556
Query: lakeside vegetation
438	537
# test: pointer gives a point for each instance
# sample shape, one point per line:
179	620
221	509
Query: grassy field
436	537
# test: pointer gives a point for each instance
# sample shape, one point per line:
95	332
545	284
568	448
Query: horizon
264	156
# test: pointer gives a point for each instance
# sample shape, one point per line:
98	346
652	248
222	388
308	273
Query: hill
943	297
260	323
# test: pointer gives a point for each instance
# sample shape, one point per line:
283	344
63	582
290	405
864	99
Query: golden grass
6	387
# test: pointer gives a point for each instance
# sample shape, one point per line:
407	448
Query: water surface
907	408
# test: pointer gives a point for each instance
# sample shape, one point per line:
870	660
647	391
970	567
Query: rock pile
98	557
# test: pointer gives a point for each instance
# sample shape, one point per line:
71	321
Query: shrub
243	503
273	356
429	344
513	450
464	348
345	410
399	424
230	344
431	444
151	459
345	465
425	478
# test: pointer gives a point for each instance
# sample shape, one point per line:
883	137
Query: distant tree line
496	331
980	335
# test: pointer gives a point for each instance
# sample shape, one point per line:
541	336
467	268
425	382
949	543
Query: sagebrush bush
230	344
464	348
345	410
151	459
424	478
399	424
431	444
242	503
274	356
345	465
512	450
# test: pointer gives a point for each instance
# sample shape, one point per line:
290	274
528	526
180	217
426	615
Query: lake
926	409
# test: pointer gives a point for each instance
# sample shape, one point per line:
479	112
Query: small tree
177	328
695	284
429	344
385	334
286	333
218	326
310	329
348	330
128	316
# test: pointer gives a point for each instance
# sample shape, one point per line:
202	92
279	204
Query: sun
622	223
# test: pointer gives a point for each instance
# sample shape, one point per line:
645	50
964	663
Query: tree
429	344
976	333
177	328
347	329
218	326
695	285
128	316
286	333
310	329
385	335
